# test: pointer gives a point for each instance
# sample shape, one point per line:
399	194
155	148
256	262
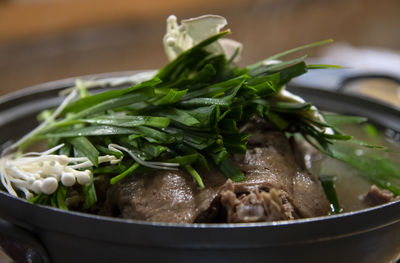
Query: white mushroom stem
49	151
42	172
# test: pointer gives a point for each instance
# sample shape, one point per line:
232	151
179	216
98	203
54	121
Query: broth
351	185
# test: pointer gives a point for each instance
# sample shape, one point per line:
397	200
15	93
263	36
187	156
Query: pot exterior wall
379	245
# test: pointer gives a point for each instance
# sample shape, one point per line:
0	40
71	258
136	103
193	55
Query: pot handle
21	245
348	79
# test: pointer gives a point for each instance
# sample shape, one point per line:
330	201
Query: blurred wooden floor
51	39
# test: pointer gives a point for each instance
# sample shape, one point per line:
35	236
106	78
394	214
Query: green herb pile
189	114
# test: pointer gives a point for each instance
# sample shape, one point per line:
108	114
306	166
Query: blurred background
45	40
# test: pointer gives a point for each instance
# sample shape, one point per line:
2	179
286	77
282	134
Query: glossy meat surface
276	188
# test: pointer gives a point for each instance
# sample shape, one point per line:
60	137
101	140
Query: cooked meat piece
257	206
166	196
377	196
274	166
276	188
306	155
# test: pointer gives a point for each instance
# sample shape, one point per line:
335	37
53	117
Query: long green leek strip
189	116
195	175
328	184
125	173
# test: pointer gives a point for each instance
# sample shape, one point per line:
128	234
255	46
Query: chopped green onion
328	184
122	175
195	175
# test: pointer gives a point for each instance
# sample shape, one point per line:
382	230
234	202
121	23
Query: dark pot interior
371	235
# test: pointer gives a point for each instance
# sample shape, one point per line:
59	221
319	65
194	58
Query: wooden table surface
52	39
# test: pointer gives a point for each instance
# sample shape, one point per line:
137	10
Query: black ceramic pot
52	235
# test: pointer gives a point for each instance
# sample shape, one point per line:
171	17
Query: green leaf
236	148
153	150
290	107
294	66
323	66
156	136
371	130
195	175
337	120
199	140
83	92
85	148
93	100
110	169
199	102
128	121
228	126
205	116
181	116
218	89
105	150
187	58
171	97
292	71
218	154
337	136
124	100
328	184
293	50
61	194
45	114
226	100
57	199
89	195
65	150
375	167
122	175
368	145
185	160
39	199
227	167
281	123
263	86
187	150
235	113
101	130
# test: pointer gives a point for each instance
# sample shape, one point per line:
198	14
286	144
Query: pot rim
392	204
